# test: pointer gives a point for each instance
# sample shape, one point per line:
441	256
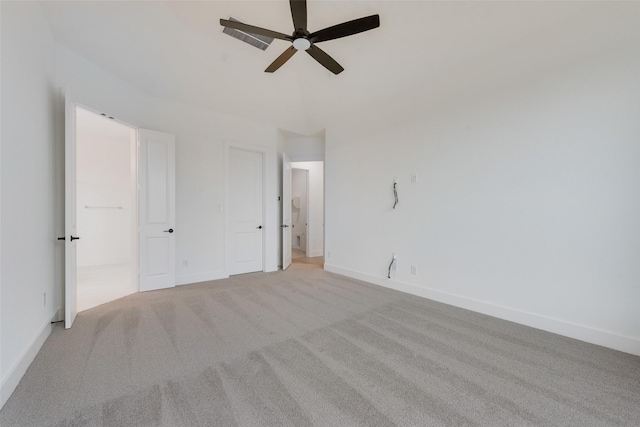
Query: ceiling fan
302	39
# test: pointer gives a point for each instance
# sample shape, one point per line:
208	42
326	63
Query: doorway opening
299	210
307	212
106	209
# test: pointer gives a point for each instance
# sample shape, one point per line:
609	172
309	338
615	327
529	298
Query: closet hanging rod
103	207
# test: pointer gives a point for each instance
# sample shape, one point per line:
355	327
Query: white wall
28	243
2	390
200	139
106	190
527	200
315	227
304	148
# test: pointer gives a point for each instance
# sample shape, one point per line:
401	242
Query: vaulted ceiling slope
176	50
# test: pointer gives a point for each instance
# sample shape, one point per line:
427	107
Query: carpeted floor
306	347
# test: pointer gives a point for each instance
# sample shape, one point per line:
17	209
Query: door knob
169	230
74	238
259	227
284	226
61	238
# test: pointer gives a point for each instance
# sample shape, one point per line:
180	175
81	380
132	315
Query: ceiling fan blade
325	60
280	60
346	29
299	14
254	30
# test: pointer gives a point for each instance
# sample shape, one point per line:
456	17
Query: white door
286	211
70	215
246	211
156	175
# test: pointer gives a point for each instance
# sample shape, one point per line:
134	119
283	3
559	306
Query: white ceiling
176	50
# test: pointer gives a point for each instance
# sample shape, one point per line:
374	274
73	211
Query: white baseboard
17	371
315	253
189	279
558	326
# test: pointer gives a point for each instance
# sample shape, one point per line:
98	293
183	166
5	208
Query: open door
286	211
70	214
156	176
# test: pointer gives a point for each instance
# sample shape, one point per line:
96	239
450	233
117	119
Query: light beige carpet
306	347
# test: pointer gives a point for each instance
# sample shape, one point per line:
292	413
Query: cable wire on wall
395	193
393	261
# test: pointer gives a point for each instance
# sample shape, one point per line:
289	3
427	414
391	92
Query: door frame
264	152
135	164
286	230
70	295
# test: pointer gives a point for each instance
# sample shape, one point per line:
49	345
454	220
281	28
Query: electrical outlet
414	178
185	263
328	254
414	270
44	299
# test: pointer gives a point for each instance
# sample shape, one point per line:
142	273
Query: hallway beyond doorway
298	256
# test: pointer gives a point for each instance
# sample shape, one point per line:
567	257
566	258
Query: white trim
189	279
134	258
315	253
270	268
17	371
264	151
558	326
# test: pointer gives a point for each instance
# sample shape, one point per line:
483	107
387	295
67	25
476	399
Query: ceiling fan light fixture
301	44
